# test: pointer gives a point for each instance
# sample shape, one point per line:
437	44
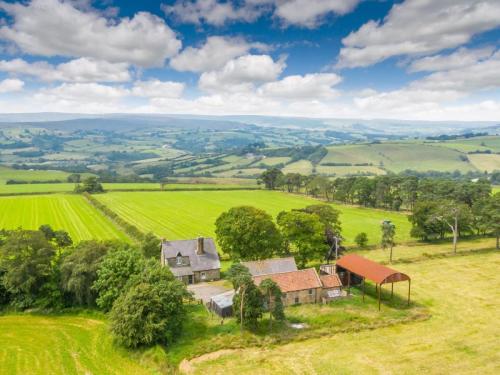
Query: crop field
187	214
461	337
485	162
302	166
62	211
348	170
31	344
397	157
477	143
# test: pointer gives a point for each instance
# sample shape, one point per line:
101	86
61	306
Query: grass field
26	175
461	337
40	345
62	211
302	166
397	157
175	215
485	162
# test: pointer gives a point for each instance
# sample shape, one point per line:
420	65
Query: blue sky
411	59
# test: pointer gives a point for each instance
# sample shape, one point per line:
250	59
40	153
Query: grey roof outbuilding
271	266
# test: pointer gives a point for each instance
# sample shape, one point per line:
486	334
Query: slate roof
269	266
207	261
294	280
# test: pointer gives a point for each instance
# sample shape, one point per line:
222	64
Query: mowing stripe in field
69	212
176	215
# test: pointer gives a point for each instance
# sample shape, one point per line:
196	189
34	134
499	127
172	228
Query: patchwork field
485	162
62	211
397	157
31	344
186	214
460	338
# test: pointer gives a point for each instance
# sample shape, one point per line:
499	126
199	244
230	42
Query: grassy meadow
185	214
67	344
62	211
461	336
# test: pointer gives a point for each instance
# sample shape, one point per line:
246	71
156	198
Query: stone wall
302	296
210	275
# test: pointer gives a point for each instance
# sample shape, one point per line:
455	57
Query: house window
296	300
203	275
310	292
179	261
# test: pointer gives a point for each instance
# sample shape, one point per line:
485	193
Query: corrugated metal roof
371	270
294	280
269	266
224	299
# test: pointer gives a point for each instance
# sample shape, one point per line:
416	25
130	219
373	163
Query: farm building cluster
197	260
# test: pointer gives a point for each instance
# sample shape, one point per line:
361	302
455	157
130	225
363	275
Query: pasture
27	175
67	344
187	214
461	336
62	211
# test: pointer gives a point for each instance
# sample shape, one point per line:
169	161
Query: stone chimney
200	250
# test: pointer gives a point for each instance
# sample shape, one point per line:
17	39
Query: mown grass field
187	214
461	337
26	175
40	345
62	211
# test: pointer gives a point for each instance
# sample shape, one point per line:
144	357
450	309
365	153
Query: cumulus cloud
52	27
418	27
242	74
309	86
158	89
78	70
212	55
303	13
11	85
458	59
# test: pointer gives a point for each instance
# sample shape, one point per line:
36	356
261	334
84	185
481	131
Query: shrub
361	239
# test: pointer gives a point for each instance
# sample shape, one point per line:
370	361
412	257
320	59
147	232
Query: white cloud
78	70
11	85
158	89
52	27
309	86
242	74
309	13
82	92
212	55
418	27
212	12
461	58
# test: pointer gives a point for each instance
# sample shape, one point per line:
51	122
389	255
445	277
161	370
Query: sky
367	59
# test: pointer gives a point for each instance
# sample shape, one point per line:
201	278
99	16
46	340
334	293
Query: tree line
43	269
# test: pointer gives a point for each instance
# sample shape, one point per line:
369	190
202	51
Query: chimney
201	246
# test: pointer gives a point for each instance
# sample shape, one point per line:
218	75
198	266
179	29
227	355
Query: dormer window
179	259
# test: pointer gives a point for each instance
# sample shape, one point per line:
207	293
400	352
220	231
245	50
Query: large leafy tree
89	185
305	232
26	262
272	178
79	270
247	233
457	217
487	213
114	272
151	308
150	246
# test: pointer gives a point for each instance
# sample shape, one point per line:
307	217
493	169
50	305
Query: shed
368	269
222	304
270	266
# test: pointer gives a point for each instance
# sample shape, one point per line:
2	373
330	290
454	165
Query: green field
26	175
31	344
473	144
397	157
175	215
485	162
62	211
461	337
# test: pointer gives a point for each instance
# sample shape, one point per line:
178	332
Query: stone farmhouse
191	261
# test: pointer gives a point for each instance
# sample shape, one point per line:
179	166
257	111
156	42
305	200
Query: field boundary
129	229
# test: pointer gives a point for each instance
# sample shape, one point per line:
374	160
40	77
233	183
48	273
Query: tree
26	260
47	231
305	232
274	302
62	238
361	239
74	177
114	272
247	233
150	246
248	298
388	233
79	270
272	178
491	216
456	216
423	224
151	309
90	185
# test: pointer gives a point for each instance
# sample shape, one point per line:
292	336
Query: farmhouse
302	286
191	261
270	266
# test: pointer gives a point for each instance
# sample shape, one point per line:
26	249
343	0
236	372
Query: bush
361	239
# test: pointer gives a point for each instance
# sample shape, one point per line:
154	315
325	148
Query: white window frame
203	275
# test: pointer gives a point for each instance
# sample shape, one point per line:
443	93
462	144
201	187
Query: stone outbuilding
271	266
